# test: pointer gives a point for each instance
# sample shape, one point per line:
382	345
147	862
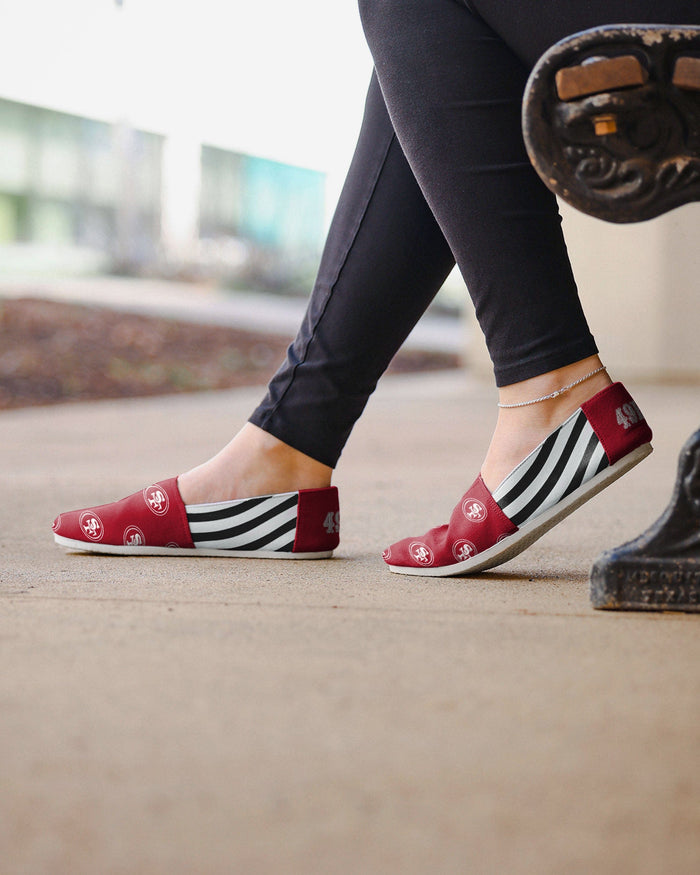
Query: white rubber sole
535	528
117	550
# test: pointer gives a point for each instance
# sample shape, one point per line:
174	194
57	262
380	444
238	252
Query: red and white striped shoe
156	522
598	443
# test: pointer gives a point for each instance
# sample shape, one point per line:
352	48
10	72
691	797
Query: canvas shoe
156	522
598	443
611	120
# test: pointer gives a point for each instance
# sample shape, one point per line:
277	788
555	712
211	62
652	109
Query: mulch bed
53	352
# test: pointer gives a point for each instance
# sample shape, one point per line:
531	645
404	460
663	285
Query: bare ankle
522	425
557	390
253	463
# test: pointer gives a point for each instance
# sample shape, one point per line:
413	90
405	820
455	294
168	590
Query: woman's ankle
253	463
570	387
522	426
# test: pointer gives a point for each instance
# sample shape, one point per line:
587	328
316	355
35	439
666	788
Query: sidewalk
249	716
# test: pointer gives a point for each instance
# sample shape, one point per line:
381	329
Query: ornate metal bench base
611	120
659	570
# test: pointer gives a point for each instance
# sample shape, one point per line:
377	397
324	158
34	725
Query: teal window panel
282	206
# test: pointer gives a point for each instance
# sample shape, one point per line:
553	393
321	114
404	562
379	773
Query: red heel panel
318	521
617	421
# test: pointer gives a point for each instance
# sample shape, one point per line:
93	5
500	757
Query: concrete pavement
242	716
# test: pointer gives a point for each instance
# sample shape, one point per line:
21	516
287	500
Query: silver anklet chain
558	391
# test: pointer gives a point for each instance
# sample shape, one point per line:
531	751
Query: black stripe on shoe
555	472
534	466
262	523
216	534
566	459
577	479
266	540
226	510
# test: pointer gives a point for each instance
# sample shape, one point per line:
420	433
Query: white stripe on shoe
265	523
569	457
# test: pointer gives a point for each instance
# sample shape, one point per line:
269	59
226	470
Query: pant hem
507	375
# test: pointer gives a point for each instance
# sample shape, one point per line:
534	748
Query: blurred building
74	182
61	179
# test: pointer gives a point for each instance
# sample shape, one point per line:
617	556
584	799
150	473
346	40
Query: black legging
440	174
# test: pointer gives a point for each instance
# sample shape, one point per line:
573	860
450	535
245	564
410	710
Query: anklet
558	391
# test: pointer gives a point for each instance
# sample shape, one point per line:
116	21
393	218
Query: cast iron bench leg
659	570
611	120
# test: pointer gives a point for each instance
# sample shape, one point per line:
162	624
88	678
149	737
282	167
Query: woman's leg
384	261
453	89
453	83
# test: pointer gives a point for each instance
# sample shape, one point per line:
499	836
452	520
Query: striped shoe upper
571	455
264	523
306	521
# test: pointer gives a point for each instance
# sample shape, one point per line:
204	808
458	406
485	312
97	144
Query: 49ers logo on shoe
134	537
157	500
92	526
628	415
474	510
463	550
332	522
421	553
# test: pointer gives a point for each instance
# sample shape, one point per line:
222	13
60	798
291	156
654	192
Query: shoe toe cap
410	553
